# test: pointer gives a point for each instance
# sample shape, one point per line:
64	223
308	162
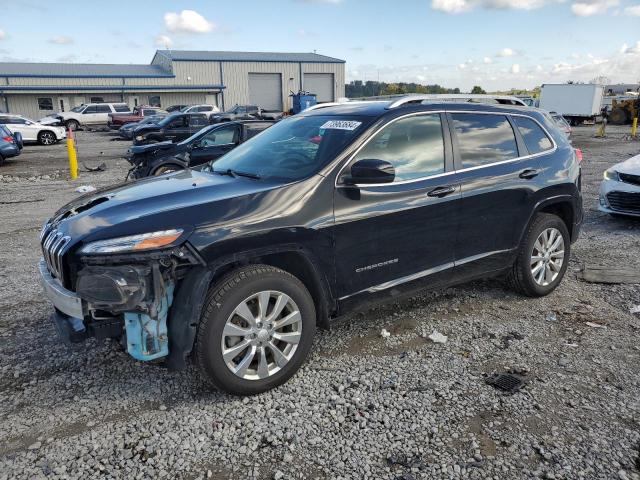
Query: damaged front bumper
130	302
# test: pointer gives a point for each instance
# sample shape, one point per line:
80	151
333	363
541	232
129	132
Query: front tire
256	330
47	137
543	257
167	169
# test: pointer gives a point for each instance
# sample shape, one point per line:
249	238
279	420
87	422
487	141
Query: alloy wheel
47	138
261	335
547	256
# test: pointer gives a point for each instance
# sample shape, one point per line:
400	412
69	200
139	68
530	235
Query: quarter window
534	137
413	145
484	138
45	103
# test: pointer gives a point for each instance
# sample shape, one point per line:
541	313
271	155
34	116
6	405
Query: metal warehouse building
173	77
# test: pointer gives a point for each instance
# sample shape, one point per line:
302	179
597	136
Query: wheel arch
563	206
192	289
175	162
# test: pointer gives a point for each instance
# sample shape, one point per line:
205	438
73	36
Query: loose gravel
365	405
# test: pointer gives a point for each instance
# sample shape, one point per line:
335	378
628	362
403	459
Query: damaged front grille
54	244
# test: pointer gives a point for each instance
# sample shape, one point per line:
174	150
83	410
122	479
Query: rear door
389	235
497	177
214	144
102	113
197	123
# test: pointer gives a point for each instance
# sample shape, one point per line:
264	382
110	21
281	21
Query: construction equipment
624	111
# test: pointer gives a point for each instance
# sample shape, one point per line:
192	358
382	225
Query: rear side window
121	108
103	109
534	137
484	139
198	121
413	145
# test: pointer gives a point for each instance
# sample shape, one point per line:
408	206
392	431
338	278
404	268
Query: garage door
265	90
321	84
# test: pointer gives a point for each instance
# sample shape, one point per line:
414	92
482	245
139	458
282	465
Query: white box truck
576	102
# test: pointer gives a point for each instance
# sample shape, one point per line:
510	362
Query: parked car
175	108
206	109
126	131
10	144
93	114
246	112
320	214
116	120
176	127
620	189
33	131
206	145
562	123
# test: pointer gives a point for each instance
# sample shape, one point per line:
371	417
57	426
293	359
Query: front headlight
139	137
611	175
134	243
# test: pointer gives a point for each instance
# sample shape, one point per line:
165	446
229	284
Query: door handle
529	173
441	191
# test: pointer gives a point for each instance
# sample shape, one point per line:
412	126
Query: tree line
371	88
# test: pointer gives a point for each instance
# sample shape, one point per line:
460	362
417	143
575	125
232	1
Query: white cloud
586	8
187	21
462	66
460	6
61	40
634	49
163	41
632	11
515	68
506	52
487	60
2	34
421	78
451	6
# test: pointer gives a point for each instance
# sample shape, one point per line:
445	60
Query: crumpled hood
180	200
142	149
630	166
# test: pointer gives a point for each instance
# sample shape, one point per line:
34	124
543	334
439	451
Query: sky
497	44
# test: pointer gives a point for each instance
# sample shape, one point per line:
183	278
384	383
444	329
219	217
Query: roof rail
334	104
457	97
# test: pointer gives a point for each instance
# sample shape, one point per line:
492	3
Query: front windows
484	138
413	145
220	136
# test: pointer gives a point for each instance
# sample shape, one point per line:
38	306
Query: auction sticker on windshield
341	125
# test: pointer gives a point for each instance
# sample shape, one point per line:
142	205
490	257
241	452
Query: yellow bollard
634	127
71	151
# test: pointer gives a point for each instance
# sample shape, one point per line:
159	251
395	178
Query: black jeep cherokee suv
320	214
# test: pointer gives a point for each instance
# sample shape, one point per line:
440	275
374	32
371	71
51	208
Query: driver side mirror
367	171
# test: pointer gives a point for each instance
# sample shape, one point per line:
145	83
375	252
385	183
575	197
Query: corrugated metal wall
187	73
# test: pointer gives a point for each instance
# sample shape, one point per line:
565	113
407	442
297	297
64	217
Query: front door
497	181
214	144
392	235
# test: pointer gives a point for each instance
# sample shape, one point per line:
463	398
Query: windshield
78	109
294	148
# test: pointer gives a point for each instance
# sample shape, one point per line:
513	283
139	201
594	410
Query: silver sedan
620	189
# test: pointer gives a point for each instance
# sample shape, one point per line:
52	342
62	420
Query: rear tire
47	137
540	265
72	125
267	297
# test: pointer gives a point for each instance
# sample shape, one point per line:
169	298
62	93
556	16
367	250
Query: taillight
578	155
8	139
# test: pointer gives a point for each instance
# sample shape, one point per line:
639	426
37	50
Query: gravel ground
363	406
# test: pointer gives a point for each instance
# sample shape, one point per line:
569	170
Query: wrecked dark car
208	144
323	213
